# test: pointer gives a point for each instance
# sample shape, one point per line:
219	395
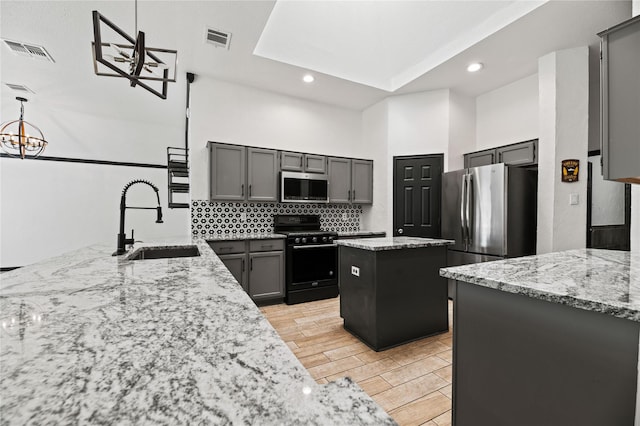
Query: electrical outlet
355	271
345	216
243	217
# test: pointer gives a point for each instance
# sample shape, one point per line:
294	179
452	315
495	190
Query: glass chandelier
20	138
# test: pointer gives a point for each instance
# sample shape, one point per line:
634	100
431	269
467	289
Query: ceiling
424	45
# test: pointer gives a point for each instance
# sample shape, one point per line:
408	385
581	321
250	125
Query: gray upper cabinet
620	101
227	173
521	154
517	154
362	181
299	162
480	158
262	168
315	163
350	180
339	180
291	161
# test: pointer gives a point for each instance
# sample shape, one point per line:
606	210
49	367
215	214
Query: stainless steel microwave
304	188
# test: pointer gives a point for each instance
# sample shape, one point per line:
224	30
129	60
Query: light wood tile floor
411	382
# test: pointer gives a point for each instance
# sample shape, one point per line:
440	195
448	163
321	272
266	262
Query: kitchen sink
163	252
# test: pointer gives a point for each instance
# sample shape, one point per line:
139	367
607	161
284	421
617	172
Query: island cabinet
299	162
547	340
239	173
390	290
257	265
350	180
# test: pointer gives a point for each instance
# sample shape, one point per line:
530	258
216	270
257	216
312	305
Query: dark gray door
416	195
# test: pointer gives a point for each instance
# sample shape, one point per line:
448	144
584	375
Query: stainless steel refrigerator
490	212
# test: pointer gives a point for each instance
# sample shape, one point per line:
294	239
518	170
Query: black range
311	258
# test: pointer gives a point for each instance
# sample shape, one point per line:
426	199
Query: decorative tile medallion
227	217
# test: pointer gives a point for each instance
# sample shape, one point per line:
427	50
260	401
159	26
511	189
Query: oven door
312	266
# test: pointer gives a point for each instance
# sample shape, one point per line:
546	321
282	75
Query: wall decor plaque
570	170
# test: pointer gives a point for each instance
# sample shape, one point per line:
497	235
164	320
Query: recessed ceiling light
476	66
308	78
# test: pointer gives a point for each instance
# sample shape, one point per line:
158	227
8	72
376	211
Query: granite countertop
363	234
606	281
236	236
393	243
89	338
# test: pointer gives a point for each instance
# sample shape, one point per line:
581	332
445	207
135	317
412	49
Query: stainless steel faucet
122	237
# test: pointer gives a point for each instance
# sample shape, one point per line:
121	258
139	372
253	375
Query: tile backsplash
227	217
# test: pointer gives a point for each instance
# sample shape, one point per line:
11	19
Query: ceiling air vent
29	50
218	38
19	88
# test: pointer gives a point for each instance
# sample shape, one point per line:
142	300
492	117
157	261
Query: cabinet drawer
227	247
266	245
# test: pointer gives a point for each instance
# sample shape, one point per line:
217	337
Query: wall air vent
29	50
19	88
218	38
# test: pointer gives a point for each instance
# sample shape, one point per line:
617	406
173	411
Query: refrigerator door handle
469	208
463	194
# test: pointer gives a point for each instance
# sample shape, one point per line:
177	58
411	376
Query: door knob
400	231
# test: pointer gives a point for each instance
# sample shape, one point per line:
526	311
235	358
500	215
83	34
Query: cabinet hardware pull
242	265
353	194
349	195
242	189
249	190
251	264
301	161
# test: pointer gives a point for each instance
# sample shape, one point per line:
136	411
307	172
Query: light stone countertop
393	243
93	339
605	281
237	236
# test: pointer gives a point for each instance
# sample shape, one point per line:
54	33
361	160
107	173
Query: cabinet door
227	177
315	163
291	161
620	102
263	174
339	180
520	154
266	275
480	158
237	265
362	181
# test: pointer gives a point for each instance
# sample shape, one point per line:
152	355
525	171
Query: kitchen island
547	340
390	290
93	339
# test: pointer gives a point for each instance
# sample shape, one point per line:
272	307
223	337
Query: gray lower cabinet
236	264
262	174
257	265
238	173
299	162
266	275
227	173
350	180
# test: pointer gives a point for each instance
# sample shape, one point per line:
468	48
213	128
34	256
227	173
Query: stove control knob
297	240
330	238
315	239
304	240
324	239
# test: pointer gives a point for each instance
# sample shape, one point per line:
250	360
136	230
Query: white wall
607	197
232	113
507	115
564	117
375	131
49	207
462	130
